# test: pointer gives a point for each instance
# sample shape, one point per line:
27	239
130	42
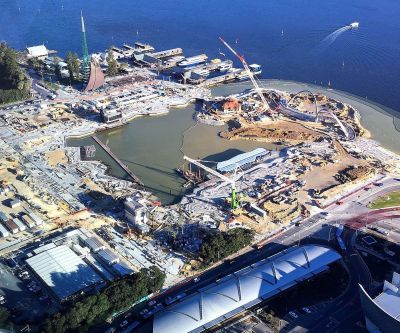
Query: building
94	244
28	220
60	269
108	257
3	217
242	160
110	115
3	232
382	313
35	218
15	203
231	105
39	51
19	224
241	290
11	226
96	77
136	213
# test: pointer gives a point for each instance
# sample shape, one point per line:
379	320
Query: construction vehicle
234	197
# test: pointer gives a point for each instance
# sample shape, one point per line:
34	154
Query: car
110	330
151	303
143	312
306	310
127	315
123	324
293	314
196	279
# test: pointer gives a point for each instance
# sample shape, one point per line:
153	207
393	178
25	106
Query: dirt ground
319	178
56	157
281	130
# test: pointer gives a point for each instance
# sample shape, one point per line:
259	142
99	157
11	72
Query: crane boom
206	168
249	73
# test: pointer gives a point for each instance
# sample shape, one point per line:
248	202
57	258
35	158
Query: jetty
116	159
234	74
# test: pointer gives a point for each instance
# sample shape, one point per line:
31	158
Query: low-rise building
108	257
94	244
39	52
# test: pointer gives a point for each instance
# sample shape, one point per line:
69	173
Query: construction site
56	196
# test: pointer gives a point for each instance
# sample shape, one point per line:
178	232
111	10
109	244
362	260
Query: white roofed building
39	51
64	272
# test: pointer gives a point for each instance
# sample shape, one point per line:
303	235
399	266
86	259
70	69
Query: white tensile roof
236	292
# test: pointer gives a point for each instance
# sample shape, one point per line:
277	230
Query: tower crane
234	199
249	73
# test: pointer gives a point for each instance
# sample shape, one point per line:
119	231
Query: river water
151	146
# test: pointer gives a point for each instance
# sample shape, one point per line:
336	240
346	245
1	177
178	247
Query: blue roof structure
241	160
243	289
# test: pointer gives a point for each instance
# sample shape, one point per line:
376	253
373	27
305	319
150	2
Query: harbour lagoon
153	147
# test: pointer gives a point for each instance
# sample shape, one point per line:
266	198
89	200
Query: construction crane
235	202
249	73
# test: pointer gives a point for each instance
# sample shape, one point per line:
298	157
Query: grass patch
389	200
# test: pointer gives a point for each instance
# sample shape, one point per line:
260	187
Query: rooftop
389	299
63	271
241	159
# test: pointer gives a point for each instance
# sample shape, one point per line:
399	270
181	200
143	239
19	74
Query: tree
35	63
14	82
4	317
73	64
112	64
83	315
218	246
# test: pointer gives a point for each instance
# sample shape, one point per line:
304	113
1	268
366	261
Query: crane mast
249	73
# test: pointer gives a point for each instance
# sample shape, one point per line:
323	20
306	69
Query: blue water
371	54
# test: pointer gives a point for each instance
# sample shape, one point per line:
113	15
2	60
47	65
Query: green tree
4	317
73	64
35	63
112	68
222	244
14	82
119	295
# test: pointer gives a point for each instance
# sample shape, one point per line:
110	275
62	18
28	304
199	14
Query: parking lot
23	295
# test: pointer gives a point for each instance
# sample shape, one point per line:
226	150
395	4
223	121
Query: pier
167	53
235	74
116	159
209	67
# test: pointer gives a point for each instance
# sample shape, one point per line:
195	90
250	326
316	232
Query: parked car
306	310
123	324
293	314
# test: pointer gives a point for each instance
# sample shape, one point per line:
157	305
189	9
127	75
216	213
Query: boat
354	25
193	61
225	66
255	69
202	72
